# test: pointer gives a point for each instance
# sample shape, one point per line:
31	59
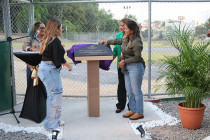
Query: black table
34	106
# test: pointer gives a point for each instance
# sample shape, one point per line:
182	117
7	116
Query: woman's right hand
70	68
34	49
67	65
103	42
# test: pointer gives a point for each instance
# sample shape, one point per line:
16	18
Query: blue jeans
133	80
50	76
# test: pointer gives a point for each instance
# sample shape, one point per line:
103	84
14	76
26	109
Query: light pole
127	8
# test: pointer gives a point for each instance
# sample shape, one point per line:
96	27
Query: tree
76	17
1	19
145	34
202	30
19	18
107	23
91	15
41	12
133	17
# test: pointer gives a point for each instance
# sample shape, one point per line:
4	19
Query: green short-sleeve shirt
117	48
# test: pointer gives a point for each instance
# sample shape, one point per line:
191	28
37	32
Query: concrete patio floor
78	126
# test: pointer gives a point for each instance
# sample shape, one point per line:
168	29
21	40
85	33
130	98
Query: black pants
121	91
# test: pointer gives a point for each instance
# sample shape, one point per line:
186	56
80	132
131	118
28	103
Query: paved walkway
78	126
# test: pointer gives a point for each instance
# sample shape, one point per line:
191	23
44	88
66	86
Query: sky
197	11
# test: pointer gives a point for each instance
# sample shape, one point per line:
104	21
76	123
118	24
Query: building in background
182	22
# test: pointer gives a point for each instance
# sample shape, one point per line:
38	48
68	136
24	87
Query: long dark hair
36	26
34	29
132	25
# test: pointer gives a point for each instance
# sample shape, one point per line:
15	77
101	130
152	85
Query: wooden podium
92	54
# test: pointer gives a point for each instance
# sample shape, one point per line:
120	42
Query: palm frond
188	73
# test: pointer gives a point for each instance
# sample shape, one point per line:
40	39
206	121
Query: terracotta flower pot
191	118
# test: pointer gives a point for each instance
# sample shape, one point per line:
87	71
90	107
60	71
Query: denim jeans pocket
41	74
131	66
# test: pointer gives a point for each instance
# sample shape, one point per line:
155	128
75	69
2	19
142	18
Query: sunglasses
42	28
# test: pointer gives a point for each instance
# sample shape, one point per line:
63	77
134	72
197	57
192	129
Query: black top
54	51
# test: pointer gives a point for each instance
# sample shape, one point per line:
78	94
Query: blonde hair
50	33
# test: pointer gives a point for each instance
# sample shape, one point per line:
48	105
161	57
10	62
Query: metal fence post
7	19
149	49
8	33
31	14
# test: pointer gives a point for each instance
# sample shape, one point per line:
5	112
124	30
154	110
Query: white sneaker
57	134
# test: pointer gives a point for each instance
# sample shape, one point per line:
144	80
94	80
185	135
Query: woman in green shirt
121	91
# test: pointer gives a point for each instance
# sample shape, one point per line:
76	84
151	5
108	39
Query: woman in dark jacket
133	66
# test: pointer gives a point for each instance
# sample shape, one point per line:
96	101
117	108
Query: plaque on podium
94	52
85	52
96	56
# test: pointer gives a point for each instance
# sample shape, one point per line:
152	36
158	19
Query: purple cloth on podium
103	64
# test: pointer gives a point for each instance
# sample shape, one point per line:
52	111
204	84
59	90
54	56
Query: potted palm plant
187	74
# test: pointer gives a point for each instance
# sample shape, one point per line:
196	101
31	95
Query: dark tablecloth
34	106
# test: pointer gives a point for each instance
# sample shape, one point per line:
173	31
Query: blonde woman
49	72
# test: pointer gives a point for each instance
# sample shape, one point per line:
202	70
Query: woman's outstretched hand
67	50
103	42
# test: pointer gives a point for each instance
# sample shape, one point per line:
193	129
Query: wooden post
93	88
93	54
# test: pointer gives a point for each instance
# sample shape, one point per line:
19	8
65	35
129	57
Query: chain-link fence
2	35
92	22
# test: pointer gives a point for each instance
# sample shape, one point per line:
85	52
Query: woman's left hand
67	50
121	63
103	42
121	58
